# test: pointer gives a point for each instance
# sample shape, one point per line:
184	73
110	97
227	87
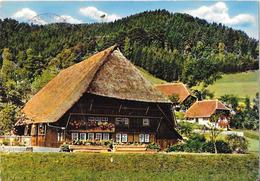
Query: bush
6	142
64	148
208	147
180	115
194	144
238	144
198	137
153	146
222	147
185	128
177	147
197	143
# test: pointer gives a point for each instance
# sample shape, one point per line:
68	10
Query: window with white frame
91	136
124	138
98	136
82	136
105	136
60	136
146	138
126	120
118	137
119	121
34	130
146	122
41	129
122	121
74	136
26	130
141	138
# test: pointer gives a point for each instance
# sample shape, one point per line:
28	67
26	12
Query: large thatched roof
107	73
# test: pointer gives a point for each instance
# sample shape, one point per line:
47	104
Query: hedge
86	166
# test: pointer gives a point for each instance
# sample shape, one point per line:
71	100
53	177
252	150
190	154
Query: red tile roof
178	89
204	108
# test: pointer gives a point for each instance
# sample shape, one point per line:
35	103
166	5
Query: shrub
222	147
198	137
238	144
153	146
6	142
194	144
64	147
177	147
185	128
208	147
197	143
180	115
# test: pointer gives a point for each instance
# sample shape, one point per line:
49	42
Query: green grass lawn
253	140
240	84
84	166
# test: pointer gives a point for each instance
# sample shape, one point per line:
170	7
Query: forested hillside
170	46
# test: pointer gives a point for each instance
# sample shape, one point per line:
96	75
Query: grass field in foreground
84	166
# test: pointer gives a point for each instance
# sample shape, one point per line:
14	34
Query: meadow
242	85
90	166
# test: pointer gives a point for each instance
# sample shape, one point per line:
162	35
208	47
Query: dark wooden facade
98	117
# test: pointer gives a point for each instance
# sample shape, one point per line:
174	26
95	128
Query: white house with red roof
202	111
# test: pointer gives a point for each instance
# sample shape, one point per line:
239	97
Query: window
105	136
74	136
146	138
97	119
122	121
141	138
126	120
91	136
41	129
118	137
91	119
124	138
26	130
119	121
34	130
146	122
60	136
104	119
82	136
98	136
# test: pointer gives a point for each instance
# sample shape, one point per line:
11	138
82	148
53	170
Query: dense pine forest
170	46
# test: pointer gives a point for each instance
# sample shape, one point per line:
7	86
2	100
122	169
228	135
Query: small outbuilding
202	111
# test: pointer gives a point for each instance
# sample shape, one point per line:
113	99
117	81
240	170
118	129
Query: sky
241	15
